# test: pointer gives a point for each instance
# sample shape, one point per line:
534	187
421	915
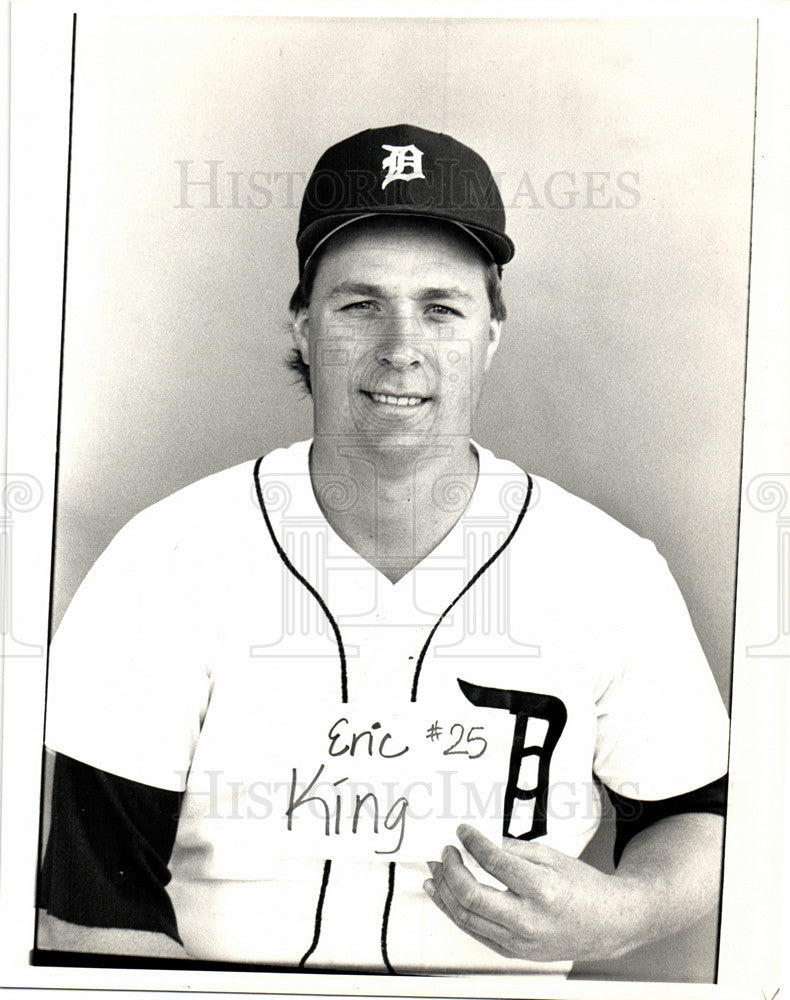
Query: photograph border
749	955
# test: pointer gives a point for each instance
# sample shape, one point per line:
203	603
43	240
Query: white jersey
330	728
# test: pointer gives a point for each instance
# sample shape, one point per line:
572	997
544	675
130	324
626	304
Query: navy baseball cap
402	170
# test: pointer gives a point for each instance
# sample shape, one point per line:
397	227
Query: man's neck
392	506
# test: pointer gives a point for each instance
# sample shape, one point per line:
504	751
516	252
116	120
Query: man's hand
555	907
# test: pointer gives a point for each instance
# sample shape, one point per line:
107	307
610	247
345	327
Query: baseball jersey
328	729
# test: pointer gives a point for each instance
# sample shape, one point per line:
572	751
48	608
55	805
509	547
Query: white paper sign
358	786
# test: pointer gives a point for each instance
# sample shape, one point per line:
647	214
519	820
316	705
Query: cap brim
499	246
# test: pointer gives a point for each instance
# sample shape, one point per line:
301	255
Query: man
386	608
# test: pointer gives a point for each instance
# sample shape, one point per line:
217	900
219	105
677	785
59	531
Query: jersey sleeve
662	729
109	845
128	678
635	815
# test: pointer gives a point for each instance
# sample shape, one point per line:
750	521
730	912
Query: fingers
519	872
432	890
482	900
537	853
528	919
483	929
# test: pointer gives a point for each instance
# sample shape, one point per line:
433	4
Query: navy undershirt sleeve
108	850
635	815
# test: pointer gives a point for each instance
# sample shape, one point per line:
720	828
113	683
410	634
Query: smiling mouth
388	399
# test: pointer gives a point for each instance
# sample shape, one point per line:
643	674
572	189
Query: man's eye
362	306
436	309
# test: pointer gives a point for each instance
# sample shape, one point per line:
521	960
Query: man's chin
396	447
390	429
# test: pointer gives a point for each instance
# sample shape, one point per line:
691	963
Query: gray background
620	374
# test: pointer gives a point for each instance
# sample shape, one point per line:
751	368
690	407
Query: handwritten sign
396	790
361	786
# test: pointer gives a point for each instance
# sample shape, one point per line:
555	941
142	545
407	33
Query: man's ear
494	335
299	333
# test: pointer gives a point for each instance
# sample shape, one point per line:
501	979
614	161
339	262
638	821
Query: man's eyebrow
451	292
378	291
357	288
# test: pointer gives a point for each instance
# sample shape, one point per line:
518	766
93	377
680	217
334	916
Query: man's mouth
390	399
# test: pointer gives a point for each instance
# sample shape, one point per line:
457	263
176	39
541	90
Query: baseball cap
402	170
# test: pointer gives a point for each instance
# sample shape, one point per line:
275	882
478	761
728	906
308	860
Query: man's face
398	335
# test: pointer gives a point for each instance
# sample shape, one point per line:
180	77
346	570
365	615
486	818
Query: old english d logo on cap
403	164
402	170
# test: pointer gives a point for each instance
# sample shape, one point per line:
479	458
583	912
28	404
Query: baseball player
355	704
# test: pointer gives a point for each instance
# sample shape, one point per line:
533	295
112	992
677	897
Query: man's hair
301	300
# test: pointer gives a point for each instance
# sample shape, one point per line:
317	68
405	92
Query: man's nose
400	343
